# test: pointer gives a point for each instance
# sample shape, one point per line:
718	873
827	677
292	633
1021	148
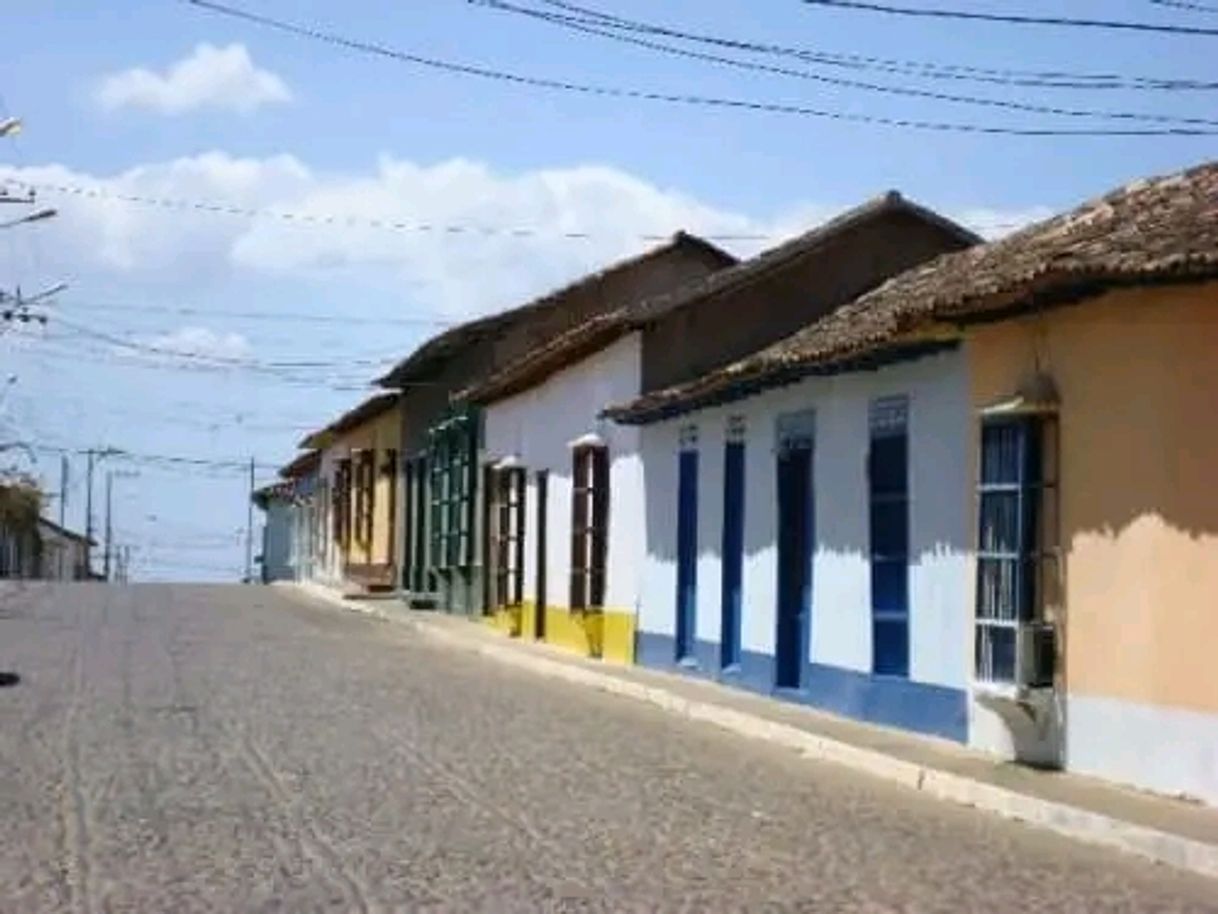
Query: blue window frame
732	562
687	547
888	491
1010	541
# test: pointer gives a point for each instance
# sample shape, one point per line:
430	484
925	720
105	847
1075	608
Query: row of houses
967	489
33	547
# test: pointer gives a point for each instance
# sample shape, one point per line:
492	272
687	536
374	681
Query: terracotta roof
64	531
598	332
432	354
300	465
1160	230
369	409
274	490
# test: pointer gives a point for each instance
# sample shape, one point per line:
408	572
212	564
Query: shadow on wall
1139	461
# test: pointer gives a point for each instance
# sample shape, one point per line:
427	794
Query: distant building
64	553
34	548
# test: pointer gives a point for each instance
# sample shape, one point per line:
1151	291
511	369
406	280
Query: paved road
232	749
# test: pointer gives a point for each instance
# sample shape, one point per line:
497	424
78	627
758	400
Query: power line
682	99
908	91
447	229
168	459
229	361
1182	5
293	316
213	207
1048	79
1012	19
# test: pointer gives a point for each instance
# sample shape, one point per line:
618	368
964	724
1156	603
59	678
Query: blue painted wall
839	675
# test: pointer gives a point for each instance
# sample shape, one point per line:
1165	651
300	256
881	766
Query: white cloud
201	341
211	77
435	272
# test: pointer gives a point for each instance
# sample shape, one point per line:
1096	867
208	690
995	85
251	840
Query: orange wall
1137	371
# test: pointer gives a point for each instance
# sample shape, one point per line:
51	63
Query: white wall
1168	750
537	425
940	525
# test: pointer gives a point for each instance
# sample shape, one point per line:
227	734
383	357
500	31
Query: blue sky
165	100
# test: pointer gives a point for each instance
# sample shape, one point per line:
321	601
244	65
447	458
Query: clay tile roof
431	355
1158	230
598	332
274	491
300	465
368	409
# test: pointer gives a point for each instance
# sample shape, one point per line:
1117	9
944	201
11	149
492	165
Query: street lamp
38	215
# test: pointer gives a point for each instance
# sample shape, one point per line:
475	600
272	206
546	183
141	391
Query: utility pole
249	529
63	488
109	529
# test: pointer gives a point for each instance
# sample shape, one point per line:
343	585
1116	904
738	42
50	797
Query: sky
224	336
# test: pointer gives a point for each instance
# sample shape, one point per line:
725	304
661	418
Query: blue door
795	533
733	553
687	553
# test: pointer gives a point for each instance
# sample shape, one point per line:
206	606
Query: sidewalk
1173	832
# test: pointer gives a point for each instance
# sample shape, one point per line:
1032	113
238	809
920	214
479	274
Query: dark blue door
795	534
733	552
687	552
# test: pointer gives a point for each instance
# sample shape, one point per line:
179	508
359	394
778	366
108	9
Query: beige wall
1137	371
380	433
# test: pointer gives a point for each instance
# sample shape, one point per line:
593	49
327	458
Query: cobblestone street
173	748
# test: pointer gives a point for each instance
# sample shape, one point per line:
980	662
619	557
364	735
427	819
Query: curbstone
1070	821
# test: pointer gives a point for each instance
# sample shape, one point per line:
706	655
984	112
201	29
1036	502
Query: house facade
64	553
569	506
353	494
566	508
812	540
443	514
975	502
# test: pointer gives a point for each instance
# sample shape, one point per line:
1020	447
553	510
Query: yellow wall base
607	634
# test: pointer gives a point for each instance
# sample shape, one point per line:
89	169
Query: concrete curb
1070	821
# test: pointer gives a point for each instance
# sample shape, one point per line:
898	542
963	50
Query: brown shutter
579	527
600	524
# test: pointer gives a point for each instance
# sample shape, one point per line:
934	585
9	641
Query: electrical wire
150	457
448	229
1012	19
1048	79
232	361
1183	5
275	316
573	24
487	73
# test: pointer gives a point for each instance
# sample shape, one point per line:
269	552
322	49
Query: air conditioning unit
1037	655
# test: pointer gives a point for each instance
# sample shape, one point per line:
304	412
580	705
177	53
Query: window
365	491
389	469
509	537
341	502
733	543
888	495
452	493
1016	539
589	525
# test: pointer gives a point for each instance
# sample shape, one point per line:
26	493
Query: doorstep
1175	832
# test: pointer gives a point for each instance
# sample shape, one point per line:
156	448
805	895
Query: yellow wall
607	634
1137	372
382	433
